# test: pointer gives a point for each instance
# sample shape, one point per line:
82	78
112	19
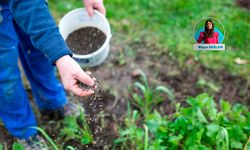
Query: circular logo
209	27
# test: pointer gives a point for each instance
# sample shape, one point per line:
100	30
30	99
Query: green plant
17	146
146	137
1	147
157	125
131	136
208	85
121	58
73	131
149	97
201	125
247	145
46	136
70	148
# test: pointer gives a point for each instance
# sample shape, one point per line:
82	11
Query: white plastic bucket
79	18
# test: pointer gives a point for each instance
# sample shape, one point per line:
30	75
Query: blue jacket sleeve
34	18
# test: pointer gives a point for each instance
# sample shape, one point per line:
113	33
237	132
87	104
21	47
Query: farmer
28	32
208	36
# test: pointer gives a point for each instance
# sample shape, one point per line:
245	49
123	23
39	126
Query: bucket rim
108	33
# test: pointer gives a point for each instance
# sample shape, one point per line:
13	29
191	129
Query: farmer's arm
34	18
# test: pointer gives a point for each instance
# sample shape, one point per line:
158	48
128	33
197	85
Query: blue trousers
15	111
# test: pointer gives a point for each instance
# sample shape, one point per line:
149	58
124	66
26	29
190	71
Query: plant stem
46	137
69	148
146	137
246	145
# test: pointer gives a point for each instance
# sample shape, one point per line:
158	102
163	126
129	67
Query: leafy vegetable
202	125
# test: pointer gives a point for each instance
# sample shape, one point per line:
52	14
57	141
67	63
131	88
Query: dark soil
107	109
86	40
162	69
5	138
243	3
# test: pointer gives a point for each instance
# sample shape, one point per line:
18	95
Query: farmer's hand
94	4
70	73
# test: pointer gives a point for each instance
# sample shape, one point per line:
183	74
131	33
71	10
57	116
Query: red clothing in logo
208	40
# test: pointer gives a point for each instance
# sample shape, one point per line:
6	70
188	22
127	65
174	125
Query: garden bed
117	76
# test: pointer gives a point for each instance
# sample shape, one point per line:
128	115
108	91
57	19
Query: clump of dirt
243	3
86	40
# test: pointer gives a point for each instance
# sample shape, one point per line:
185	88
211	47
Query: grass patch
169	24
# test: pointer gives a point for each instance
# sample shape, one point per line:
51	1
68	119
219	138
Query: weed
208	85
17	146
73	131
149	97
132	135
70	148
46	136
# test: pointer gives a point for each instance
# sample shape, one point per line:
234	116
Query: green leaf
139	101
1	147
236	145
222	139
146	137
208	84
199	135
203	100
225	106
210	108
146	91
17	146
192	101
162	132
87	138
127	131
201	116
237	131
141	87
154	121
181	125
139	134
120	140
212	130
70	122
72	130
190	140
70	148
167	91
177	107
46	136
135	115
175	139
203	147
144	77
156	145
68	131
239	109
